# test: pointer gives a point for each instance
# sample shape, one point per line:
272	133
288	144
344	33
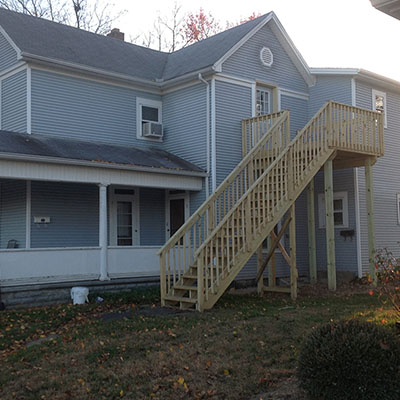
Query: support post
28	214
271	266
200	283
371	222
312	249
293	266
103	242
163	279
260	283
330	225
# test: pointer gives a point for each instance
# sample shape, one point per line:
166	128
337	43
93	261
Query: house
107	148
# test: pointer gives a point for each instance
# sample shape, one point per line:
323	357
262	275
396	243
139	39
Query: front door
124	229
177	209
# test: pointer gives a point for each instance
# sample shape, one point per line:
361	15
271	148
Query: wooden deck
201	260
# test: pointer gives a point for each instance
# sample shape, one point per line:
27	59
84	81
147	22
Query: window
340	210
262	102
277	229
379	103
147	111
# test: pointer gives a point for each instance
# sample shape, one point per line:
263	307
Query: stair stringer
245	256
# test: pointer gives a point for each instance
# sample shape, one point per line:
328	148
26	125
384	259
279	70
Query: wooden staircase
205	255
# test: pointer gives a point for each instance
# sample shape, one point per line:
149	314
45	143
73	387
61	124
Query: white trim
103	239
69	173
353	92
321	209
13	70
268	91
1	105
10	42
168	197
28	214
234	80
253	99
105	81
140	102
334	71
213	138
135	199
293	93
208	130
95	164
279	98
262	58
376	93
29	100
239	44
398	207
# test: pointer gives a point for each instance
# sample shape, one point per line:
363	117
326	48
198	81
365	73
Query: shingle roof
48	146
43	38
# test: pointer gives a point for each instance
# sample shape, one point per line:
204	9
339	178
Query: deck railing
176	255
335	126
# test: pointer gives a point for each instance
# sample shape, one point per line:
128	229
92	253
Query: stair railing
177	255
263	204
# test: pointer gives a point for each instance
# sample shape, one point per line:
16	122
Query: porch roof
46	148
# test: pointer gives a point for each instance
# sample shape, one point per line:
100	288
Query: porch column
371	222
330	225
103	240
312	249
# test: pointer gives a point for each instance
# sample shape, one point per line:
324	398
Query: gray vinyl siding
337	88
152	217
246	63
233	104
12	212
8	56
13	103
386	179
78	108
74	212
298	112
345	249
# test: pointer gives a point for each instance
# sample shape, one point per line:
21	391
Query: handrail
177	254
280	184
203	208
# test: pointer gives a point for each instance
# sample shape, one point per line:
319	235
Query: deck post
371	222
293	266
330	225
260	283
271	266
103	240
312	249
200	283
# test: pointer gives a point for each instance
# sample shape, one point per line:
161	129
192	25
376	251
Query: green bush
351	360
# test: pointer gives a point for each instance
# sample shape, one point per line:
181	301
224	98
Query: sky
328	33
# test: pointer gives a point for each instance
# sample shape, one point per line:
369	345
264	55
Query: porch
68	219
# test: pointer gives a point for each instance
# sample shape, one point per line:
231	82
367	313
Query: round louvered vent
267	58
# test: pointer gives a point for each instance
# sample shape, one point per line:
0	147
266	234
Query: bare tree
92	15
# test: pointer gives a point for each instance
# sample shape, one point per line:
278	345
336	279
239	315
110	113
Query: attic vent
266	56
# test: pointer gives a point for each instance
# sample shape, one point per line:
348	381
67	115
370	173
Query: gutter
207	133
98	164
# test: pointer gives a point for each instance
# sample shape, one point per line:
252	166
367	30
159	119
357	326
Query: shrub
351	360
388	273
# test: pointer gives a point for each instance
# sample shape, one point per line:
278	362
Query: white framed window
263	101
398	207
147	111
379	103
340	210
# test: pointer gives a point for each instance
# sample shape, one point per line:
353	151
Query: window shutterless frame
147	110
340	210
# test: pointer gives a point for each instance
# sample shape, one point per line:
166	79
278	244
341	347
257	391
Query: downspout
213	138
357	195
207	133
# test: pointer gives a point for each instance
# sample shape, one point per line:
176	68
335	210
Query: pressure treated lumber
312	248
293	266
330	225
369	188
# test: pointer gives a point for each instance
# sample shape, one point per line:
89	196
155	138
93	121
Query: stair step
185	287
179	299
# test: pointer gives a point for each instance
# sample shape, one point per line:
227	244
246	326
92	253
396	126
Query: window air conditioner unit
152	129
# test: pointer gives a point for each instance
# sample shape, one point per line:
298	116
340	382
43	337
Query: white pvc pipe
103	232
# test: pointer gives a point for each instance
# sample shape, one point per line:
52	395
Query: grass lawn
126	347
